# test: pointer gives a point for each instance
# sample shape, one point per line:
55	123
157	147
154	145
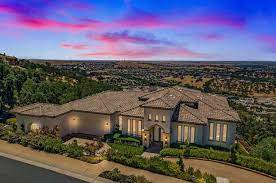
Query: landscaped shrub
171	152
210	154
115	175
235	158
127	150
154	164
47	143
256	164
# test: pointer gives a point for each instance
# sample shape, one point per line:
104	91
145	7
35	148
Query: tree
265	149
27	93
233	153
180	162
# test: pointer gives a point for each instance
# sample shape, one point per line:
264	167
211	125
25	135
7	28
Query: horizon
131	30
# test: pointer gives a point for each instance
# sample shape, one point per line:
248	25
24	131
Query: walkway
82	169
234	174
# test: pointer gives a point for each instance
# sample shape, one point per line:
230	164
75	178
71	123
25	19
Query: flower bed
116	176
43	142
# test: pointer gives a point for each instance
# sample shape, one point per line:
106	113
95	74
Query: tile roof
132	103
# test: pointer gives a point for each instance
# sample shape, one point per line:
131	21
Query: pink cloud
211	37
27	16
269	41
74	46
122	52
126	36
51	24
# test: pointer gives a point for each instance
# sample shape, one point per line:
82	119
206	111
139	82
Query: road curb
54	169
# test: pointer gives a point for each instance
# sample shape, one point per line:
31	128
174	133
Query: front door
157	134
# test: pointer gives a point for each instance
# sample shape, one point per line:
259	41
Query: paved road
12	171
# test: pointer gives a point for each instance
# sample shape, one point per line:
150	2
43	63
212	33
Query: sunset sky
139	29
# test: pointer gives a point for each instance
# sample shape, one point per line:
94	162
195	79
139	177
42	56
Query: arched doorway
155	136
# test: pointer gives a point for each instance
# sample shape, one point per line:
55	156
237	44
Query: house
168	115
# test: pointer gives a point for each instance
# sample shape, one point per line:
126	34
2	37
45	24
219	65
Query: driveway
17	172
234	174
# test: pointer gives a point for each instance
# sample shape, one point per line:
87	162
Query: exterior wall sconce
166	140
145	137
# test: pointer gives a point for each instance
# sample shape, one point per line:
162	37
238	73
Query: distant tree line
26	83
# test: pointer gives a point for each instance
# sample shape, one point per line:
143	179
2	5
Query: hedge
127	149
157	165
257	164
245	161
172	152
116	176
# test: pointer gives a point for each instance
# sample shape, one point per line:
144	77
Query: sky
238	30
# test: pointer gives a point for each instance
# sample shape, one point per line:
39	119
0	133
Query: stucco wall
165	125
198	132
230	134
73	122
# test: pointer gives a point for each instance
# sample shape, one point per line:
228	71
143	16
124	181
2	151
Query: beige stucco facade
72	122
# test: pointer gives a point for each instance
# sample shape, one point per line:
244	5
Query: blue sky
139	29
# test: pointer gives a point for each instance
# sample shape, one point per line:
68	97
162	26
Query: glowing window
156	118
224	132
128	126
192	135
120	122
134	131
179	133
186	132
163	118
139	128
149	117
211	131
218	132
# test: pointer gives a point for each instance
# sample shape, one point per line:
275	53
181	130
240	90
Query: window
186	132
134	131
139	128
163	118
224	133
149	117
120	122
179	133
156	117
128	126
218	132
192	135
211	131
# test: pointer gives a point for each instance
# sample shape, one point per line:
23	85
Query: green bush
40	142
115	175
257	164
127	150
196	152
154	164
245	161
172	152
265	149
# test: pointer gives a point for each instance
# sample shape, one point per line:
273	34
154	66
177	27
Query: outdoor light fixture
145	137
106	123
